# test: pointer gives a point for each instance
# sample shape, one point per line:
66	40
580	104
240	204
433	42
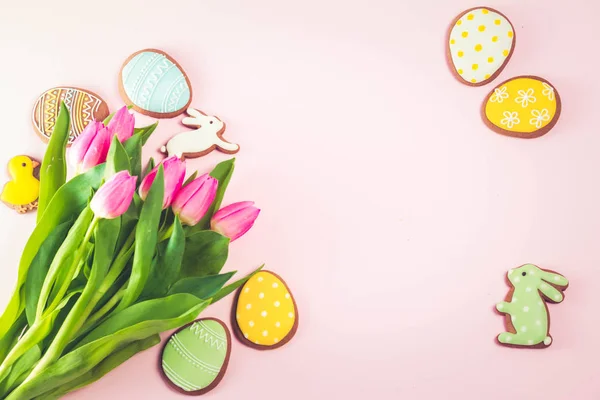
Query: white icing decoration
539	117
525	97
511	119
548	91
206	137
482	50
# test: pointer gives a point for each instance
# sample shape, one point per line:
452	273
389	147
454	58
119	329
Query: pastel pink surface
388	207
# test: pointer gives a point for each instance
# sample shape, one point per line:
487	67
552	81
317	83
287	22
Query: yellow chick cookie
22	192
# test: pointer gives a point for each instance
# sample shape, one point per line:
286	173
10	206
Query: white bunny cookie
527	319
197	143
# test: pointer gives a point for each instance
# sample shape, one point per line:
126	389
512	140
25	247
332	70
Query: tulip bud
235	220
174	174
114	197
194	199
90	148
122	124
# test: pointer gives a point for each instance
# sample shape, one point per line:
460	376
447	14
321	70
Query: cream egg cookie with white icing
480	43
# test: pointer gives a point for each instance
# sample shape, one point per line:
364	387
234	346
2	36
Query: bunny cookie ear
555	279
194	113
549	290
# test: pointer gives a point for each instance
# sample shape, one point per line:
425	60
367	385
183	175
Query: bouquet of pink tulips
118	256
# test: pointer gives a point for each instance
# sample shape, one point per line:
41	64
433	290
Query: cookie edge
140	110
449	53
240	335
33	119
523	135
508	322
222	372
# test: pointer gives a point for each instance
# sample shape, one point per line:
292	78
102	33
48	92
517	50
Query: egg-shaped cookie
154	84
84	107
195	358
480	43
524	107
265	315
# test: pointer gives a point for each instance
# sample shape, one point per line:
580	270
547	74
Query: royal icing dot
476	41
525	107
248	306
532	289
276	309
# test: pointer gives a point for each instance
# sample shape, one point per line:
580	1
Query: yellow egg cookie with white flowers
265	315
479	44
524	107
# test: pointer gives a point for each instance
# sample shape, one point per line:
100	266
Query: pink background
390	209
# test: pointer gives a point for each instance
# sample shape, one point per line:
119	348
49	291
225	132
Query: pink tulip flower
114	197
122	124
235	220
193	200
174	175
90	148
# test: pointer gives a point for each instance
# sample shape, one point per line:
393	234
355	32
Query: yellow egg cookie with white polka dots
265	314
480	43
524	107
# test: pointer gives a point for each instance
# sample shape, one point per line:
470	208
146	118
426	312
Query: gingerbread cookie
480	43
154	84
22	192
527	320
265	315
195	358
84	107
207	137
525	107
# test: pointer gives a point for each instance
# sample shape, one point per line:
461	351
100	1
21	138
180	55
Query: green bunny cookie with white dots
527	319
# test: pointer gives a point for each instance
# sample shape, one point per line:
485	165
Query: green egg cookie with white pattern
195	358
527	320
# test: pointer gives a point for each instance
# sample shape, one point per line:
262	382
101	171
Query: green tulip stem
81	251
98	315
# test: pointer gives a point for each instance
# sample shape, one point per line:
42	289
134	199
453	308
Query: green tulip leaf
21	369
205	254
39	268
66	205
133	324
167	263
191	178
105	366
53	172
150	166
146	132
133	148
117	159
233	286
202	287
146	237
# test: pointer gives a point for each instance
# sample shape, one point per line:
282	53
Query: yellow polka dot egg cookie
480	43
525	107
265	314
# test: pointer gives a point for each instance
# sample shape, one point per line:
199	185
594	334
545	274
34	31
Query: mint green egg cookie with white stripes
154	84
195	358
